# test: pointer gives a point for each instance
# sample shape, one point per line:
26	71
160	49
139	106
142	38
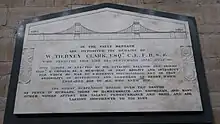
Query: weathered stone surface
3	15
215	99
2	103
2	5
202	40
211	45
62	3
199	18
148	1
7	32
6	49
1	117
170	8
216	113
211	64
41	3
104	1
75	6
5	2
207	1
189	10
121	1
209	29
7	86
4	81
210	12
18	14
132	2
213	78
17	3
167	1
83	2
43	11
5	68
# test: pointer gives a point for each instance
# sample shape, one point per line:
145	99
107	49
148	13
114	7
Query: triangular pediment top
112	6
105	18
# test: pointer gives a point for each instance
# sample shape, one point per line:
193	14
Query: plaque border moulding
25	67
202	117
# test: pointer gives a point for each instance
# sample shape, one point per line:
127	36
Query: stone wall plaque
109	58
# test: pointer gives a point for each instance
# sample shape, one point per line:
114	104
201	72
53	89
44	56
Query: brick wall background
207	13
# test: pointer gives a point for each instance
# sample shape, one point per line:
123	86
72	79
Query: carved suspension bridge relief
134	31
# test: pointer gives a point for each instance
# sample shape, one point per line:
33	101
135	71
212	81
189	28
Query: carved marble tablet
107	60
